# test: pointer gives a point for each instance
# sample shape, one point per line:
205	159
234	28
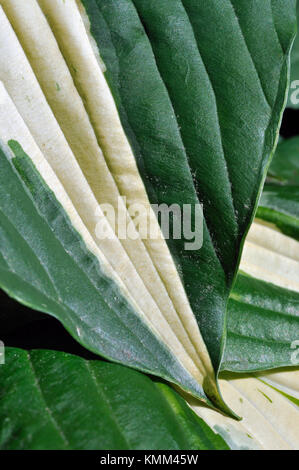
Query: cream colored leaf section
285	380
70	25
13	127
269	420
29	103
271	256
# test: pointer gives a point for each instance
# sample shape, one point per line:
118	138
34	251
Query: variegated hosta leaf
270	419
263	320
286	381
50	262
201	129
277	216
271	256
279	205
196	119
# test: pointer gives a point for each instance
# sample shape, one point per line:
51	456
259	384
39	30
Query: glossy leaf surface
202	131
263	326
202	121
53	400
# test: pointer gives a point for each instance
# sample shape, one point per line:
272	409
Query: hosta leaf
284	168
196	133
286	381
263	326
53	400
202	131
279	202
293	101
49	267
270	417
279	205
171	319
271	256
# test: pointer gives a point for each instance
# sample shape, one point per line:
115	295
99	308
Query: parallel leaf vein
251	56
47	408
102	393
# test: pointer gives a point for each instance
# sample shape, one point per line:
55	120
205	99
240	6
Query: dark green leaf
263	322
279	205
53	400
293	100
284	168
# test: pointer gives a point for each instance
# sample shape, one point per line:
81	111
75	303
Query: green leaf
202	120
279	201
284	168
202	131
53	400
293	101
45	263
263	326
263	317
279	205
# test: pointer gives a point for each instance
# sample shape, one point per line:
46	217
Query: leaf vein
47	409
251	56
103	394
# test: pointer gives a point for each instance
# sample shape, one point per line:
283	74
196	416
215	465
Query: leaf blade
116	50
112	407
91	329
161	138
263	323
